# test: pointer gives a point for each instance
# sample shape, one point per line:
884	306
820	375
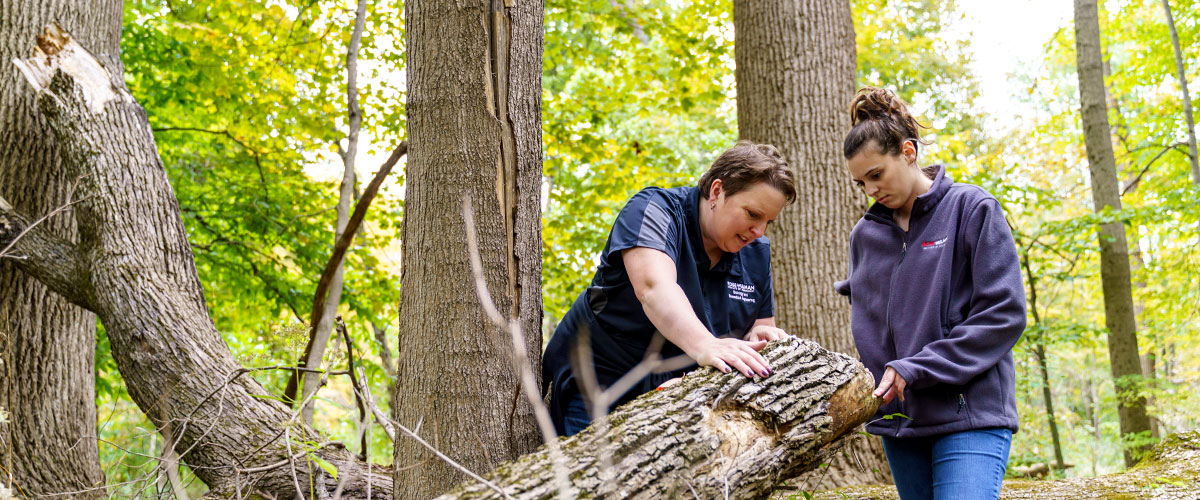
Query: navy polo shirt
728	298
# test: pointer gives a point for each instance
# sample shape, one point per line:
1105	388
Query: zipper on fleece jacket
888	313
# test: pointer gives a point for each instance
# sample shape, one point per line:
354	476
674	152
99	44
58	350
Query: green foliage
620	114
247	99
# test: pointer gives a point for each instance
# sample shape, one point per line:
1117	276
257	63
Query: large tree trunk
474	127
1172	473
1114	251
133	267
795	77
47	345
713	435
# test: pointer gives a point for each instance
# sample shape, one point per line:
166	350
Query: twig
362	412
56	211
519	358
287	435
1137	179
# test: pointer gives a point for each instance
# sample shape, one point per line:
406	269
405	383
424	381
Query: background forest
247	100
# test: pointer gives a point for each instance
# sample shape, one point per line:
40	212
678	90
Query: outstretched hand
766	332
734	354
891	384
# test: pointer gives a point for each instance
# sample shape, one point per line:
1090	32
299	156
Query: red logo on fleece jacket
929	245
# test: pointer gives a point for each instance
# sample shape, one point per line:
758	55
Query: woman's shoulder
969	193
672	196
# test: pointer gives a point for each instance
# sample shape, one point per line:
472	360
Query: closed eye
753	215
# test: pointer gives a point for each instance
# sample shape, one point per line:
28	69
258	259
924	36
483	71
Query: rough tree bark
1172	472
1114	250
133	267
47	345
795	78
474	126
713	435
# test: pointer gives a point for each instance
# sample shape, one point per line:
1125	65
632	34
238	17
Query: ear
715	190
909	151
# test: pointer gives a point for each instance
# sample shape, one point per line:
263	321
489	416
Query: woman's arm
652	274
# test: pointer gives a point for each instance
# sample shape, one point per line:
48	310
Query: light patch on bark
740	433
57	51
4	204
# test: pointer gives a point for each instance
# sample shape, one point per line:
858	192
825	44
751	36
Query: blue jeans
576	417
967	465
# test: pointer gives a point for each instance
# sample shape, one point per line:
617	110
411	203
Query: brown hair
879	117
746	164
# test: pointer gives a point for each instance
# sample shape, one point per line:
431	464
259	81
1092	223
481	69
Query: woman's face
889	179
739	219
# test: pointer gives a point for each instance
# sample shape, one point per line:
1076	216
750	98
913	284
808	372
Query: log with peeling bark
133	267
713	435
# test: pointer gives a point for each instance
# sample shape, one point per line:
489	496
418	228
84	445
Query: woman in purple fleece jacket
937	304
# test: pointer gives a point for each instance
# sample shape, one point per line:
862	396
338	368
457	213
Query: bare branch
339	251
519	359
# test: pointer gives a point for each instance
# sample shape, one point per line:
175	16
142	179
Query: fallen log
1171	472
714	435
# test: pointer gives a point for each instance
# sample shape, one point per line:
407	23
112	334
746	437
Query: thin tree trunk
795	78
1043	366
133	267
346	196
474	97
1114	250
47	345
1181	74
713	435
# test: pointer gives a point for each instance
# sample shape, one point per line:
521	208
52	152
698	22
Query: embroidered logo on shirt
930	245
740	291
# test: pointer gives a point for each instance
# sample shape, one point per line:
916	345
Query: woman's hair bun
879	118
873	103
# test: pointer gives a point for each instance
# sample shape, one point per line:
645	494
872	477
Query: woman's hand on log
733	354
890	386
765	332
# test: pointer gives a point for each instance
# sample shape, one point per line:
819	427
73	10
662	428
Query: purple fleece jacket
943	304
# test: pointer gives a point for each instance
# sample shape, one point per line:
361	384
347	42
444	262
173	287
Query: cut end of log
56	51
853	403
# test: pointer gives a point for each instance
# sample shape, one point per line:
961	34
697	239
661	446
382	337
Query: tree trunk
346	195
133	267
1181	74
1039	351
1171	473
47	345
474	127
713	435
1114	251
795	78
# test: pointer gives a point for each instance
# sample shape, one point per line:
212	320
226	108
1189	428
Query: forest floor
1171	472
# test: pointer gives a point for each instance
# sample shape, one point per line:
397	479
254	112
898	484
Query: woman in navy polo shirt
936	305
689	262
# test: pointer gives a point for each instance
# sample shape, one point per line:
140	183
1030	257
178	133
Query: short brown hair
746	164
878	116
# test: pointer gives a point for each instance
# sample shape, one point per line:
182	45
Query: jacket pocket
938	405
